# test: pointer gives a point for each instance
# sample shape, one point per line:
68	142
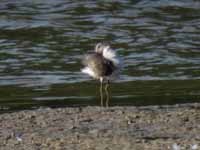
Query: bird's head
100	47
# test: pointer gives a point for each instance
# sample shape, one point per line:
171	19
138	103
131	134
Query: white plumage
111	55
88	71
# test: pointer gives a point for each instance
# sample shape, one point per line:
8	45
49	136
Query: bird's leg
107	93
101	91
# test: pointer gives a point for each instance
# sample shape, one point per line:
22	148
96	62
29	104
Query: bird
104	65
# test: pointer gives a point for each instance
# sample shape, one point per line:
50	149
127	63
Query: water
42	42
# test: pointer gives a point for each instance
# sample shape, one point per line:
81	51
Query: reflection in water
41	43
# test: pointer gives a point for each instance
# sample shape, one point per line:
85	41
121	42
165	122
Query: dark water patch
138	93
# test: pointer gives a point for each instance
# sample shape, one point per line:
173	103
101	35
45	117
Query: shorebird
104	65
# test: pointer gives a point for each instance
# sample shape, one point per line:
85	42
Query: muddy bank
90	128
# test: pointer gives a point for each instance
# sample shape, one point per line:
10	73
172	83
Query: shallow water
42	42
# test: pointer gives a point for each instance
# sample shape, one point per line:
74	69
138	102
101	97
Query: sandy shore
95	128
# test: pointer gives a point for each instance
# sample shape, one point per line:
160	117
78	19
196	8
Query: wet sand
95	128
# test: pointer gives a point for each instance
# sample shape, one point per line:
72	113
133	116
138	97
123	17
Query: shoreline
119	127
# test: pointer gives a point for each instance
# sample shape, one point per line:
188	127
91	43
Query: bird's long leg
101	91
107	93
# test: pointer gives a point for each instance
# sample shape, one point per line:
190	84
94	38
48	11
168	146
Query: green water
42	42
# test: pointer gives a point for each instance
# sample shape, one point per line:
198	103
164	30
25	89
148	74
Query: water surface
42	42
